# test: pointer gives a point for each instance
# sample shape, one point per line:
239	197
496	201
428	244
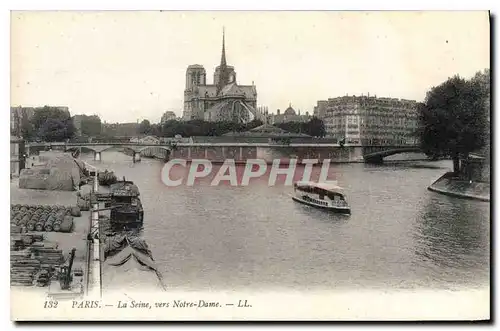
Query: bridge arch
78	148
378	157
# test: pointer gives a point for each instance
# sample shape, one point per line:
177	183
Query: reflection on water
454	237
400	235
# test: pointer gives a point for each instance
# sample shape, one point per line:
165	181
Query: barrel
24	220
67	224
75	212
31	225
41	222
39	226
48	226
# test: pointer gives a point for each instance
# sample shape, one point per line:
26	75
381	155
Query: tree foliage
454	118
315	127
145	127
55	130
53	124
91	126
202	128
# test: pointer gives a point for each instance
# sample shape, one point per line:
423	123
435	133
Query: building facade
289	115
370	121
18	115
17	157
320	109
224	100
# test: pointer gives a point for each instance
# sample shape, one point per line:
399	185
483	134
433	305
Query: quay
77	249
62	242
94	285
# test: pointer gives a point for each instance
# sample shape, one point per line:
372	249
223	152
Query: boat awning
324	186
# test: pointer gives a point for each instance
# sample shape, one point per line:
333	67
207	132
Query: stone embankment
452	186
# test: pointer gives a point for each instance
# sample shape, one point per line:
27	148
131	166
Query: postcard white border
202	5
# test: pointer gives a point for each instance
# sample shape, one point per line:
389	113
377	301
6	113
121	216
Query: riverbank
451	186
76	238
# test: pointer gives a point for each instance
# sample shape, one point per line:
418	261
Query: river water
399	236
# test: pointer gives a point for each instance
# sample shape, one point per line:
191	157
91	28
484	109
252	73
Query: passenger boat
321	195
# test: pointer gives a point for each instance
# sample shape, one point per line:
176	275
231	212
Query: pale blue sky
127	66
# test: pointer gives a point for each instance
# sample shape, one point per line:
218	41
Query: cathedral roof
195	66
211	90
232	89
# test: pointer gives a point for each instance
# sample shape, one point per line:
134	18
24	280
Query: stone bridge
98	148
240	152
376	154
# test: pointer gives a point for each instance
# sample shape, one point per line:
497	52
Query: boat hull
339	210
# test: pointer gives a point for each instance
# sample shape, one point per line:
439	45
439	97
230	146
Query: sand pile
58	172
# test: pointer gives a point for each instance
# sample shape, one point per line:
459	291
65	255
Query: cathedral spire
223	56
223	72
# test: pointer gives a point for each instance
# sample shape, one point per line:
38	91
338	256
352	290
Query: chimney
278	111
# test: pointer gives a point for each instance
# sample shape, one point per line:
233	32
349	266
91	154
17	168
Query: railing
87	261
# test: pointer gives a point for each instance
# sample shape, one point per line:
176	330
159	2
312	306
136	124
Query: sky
130	65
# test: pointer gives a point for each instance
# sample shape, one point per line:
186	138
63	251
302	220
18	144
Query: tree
55	130
483	79
91	125
51	123
315	127
453	119
145	127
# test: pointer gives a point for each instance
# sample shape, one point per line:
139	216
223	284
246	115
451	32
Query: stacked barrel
44	217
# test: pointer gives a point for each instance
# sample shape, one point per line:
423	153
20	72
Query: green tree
315	127
145	127
91	126
55	130
55	119
453	119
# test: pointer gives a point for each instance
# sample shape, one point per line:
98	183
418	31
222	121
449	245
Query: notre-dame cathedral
224	100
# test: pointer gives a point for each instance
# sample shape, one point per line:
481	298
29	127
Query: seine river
399	236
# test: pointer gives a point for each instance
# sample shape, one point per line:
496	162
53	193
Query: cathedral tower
195	75
223	74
